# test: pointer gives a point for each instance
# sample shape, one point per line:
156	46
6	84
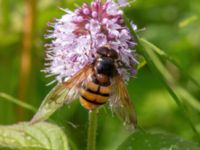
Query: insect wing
53	101
79	77
62	93
121	104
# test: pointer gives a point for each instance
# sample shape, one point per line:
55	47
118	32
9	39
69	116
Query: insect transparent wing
54	100
62	93
121	104
79	77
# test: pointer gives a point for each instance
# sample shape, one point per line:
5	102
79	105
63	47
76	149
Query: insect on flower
91	57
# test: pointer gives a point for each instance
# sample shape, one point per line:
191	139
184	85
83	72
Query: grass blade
159	70
185	95
164	55
17	102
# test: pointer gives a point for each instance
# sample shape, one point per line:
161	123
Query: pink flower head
77	36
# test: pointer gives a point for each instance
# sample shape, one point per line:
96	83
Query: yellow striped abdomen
93	95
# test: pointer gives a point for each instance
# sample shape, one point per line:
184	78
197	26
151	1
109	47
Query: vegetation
165	92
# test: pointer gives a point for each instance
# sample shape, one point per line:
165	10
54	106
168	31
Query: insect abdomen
93	95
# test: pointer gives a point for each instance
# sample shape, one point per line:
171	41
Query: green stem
92	129
17	102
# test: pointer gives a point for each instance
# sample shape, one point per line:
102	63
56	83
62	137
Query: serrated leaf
44	136
147	141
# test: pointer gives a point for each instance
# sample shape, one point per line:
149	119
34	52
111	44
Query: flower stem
30	9
92	129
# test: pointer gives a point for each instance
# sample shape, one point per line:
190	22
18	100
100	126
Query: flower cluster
78	34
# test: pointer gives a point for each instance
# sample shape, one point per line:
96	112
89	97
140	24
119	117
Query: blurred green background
172	25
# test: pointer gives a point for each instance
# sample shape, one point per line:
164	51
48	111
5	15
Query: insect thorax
105	66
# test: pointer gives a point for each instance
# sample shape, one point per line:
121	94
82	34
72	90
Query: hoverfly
96	84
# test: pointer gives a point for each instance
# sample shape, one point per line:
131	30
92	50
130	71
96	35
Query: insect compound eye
113	54
103	51
106	52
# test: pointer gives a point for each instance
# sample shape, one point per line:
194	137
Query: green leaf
44	136
147	141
